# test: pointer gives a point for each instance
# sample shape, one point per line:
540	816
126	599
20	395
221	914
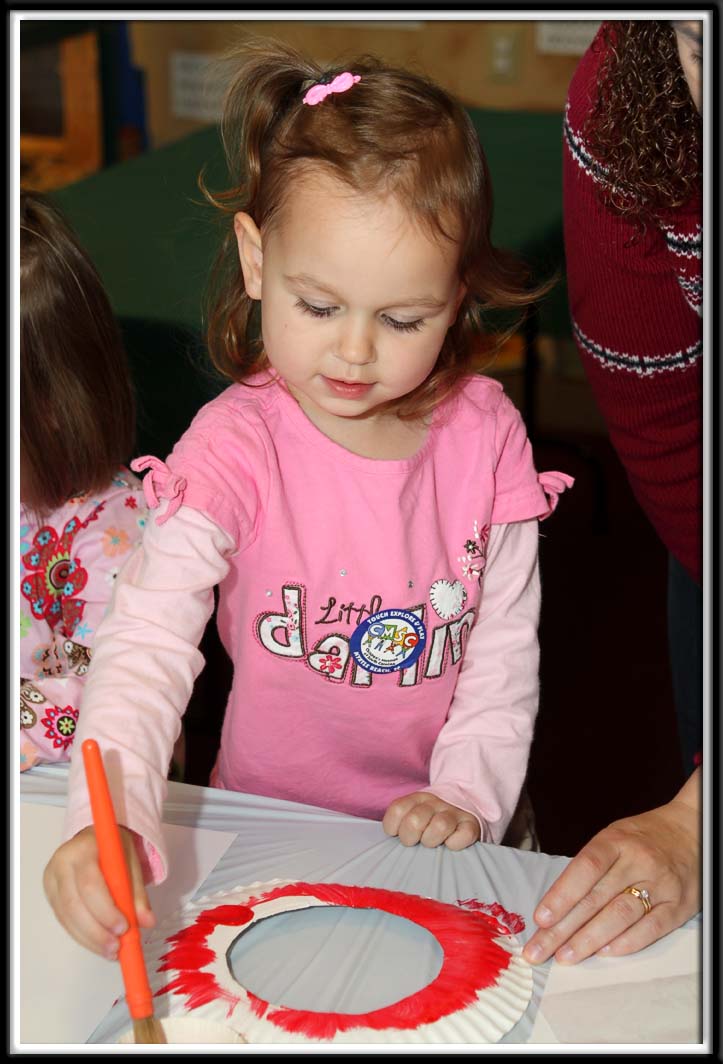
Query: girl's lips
346	390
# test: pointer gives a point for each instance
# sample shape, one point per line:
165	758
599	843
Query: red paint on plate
472	959
510	921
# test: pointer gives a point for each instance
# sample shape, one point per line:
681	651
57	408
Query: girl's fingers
466	833
92	891
441	826
396	813
415	823
423	817
71	906
144	913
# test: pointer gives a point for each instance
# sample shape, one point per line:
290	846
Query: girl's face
356	299
690	49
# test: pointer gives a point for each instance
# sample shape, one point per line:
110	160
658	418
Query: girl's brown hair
393	132
77	412
644	128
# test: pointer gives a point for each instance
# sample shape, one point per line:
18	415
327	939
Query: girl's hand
77	892
422	817
585	911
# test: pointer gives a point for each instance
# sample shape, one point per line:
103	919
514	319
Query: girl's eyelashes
403	326
316	312
326	312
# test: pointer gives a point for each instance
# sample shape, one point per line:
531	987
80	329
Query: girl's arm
144	666
480	758
479	761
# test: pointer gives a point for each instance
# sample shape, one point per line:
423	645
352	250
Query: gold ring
640	892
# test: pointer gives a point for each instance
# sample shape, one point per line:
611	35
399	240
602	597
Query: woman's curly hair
644	128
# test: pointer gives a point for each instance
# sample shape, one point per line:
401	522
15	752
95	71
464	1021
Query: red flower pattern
60	725
53	578
330	664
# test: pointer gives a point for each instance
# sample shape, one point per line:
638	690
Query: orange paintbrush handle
115	872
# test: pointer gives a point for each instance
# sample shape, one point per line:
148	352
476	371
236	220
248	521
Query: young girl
81	512
367	505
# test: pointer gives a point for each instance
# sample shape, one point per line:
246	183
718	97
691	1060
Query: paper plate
480	992
189	1030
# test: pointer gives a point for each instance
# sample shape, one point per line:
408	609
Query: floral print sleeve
68	566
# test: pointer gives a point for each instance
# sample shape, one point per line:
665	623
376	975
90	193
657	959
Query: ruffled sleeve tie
160	483
553	484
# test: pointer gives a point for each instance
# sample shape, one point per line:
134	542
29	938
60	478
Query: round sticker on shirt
388	640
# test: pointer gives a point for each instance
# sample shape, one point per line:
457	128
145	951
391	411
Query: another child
81	512
368	506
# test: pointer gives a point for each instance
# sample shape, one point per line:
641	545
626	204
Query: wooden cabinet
61	134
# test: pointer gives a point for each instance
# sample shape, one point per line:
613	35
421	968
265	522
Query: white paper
648	997
661	1011
65	991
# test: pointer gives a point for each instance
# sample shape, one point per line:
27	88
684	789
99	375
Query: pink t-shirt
381	615
353	588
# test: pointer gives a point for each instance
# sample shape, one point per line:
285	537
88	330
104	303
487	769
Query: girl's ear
250	252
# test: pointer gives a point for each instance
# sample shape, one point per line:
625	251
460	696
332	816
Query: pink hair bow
159	484
553	484
322	89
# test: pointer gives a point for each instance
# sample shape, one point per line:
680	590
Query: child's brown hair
393	132
77	414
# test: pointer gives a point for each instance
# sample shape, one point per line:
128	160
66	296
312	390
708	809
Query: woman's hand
586	911
78	894
422	817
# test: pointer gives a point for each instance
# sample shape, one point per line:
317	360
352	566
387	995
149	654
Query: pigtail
267	87
262	99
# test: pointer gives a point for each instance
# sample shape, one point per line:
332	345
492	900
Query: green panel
148	229
524	154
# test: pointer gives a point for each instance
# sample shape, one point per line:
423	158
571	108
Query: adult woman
633	239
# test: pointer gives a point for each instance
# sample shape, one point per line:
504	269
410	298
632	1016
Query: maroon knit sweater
636	316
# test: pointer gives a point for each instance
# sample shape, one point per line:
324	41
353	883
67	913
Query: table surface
369	958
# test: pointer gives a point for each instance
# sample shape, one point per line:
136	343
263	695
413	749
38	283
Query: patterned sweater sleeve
635	302
69	571
480	757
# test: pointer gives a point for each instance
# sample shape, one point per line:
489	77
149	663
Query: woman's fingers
658	922
577	895
581	876
621	913
588	909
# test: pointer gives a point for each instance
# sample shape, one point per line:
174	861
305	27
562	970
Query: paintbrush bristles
148	1031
